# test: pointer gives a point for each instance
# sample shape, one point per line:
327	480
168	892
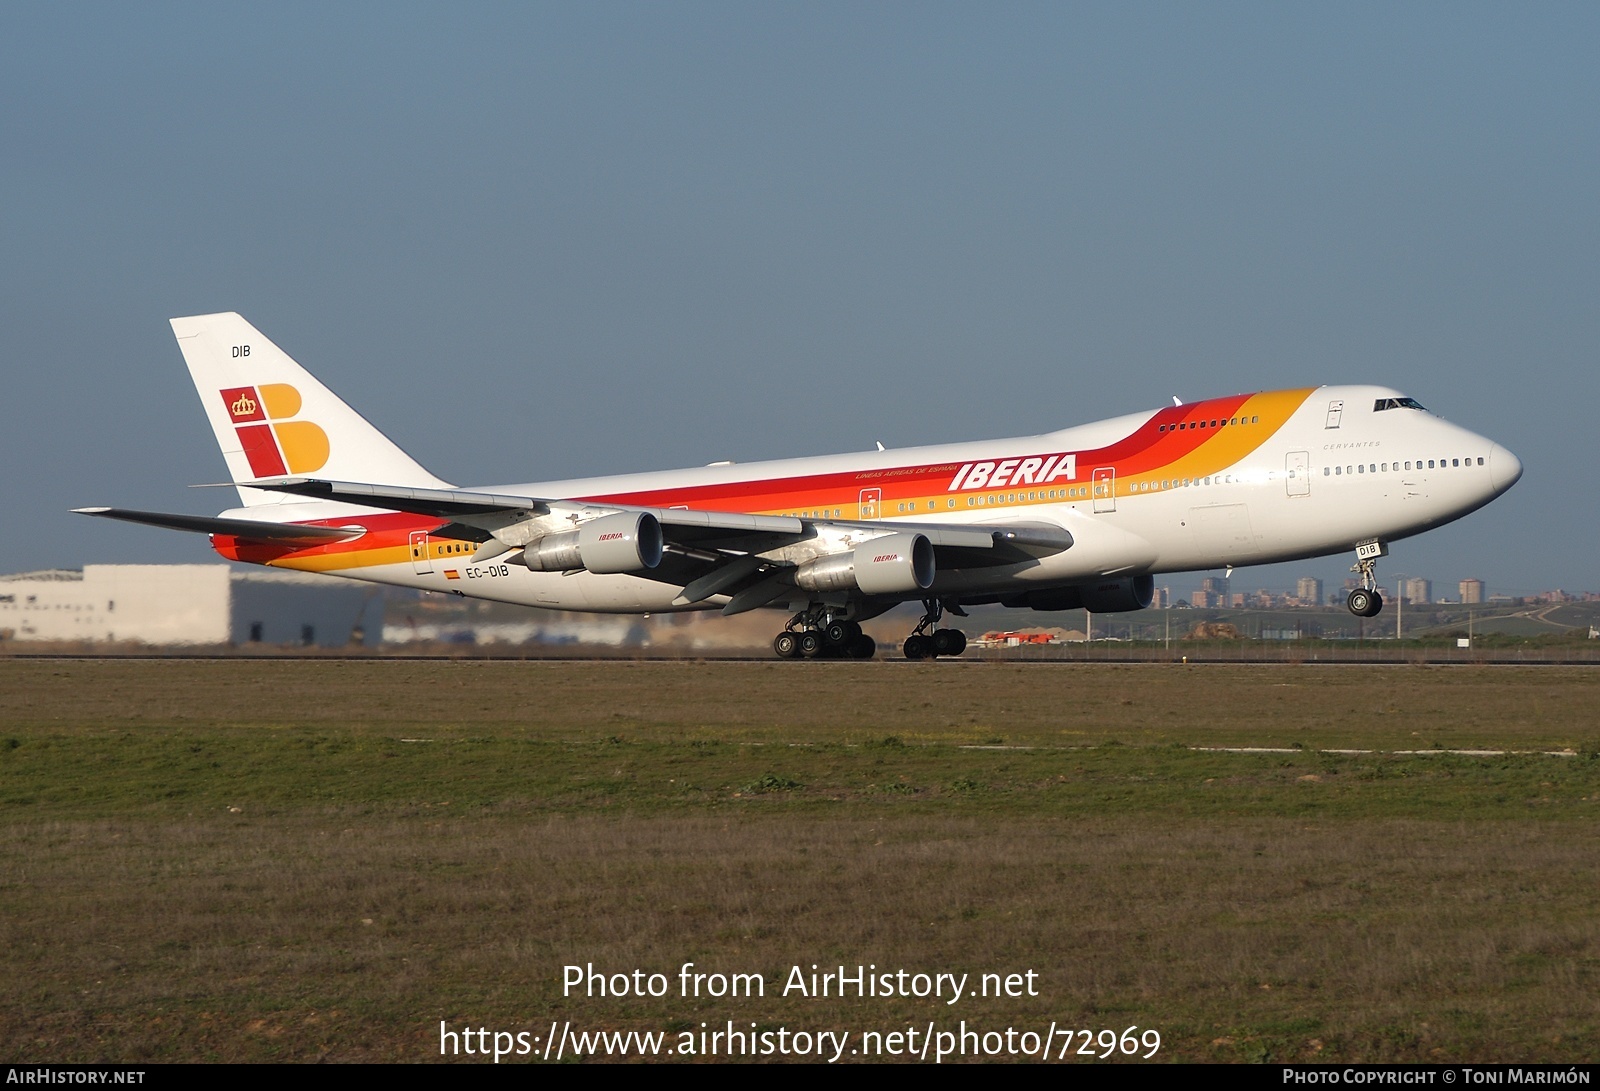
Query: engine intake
628	541
891	565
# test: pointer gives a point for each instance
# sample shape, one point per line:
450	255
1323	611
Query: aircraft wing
690	527
290	534
709	552
984	544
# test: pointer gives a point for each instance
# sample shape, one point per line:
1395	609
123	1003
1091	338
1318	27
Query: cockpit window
1396	403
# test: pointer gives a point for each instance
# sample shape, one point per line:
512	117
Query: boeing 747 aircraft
1083	517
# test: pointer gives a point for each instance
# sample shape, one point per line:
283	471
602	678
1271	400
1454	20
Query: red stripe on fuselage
1145	449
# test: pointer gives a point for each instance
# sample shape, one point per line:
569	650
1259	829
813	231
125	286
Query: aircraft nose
1505	468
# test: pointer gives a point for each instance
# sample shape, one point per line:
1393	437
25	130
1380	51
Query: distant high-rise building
1473	590
1161	599
1419	590
1309	591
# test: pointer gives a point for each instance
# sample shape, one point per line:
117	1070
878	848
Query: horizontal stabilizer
281	533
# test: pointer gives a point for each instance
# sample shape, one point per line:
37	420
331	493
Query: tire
810	644
787	645
837	633
918	647
949	642
1363	603
862	647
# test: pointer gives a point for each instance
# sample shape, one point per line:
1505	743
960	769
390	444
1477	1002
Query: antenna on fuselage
1175	400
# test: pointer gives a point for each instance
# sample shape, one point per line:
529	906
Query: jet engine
627	541
891	565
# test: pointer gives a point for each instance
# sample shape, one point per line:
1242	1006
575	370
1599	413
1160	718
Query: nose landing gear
1365	601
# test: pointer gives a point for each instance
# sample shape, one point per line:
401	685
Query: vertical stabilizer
272	419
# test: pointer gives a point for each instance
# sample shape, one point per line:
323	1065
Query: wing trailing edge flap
293	534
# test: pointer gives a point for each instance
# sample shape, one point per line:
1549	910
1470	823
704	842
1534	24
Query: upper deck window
1396	403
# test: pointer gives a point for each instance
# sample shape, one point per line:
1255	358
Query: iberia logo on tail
275	445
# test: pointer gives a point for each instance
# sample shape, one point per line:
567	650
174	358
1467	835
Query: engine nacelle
628	541
1108	596
894	564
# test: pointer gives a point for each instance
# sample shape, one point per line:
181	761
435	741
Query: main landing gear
1364	601
816	634
922	644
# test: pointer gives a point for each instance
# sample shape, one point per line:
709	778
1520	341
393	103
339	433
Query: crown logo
244	407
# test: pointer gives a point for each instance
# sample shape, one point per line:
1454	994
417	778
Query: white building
188	604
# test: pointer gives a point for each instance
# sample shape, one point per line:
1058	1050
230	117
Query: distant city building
1419	590
1212	595
1309	591
1162	599
1473	591
188	604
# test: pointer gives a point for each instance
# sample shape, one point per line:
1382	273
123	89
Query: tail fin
272	419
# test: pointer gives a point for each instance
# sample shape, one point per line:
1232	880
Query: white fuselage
1276	477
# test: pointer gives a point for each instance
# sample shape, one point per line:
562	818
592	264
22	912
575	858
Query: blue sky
535	241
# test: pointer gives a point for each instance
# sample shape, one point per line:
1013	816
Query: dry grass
1247	906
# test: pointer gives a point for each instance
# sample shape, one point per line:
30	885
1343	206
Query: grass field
258	860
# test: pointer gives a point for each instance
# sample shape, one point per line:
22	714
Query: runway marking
1303	750
1462	753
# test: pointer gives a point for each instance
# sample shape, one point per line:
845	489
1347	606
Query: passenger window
1455	462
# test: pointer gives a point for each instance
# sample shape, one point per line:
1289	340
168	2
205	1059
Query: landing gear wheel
949	642
811	644
918	647
862	647
1364	603
787	645
841	632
